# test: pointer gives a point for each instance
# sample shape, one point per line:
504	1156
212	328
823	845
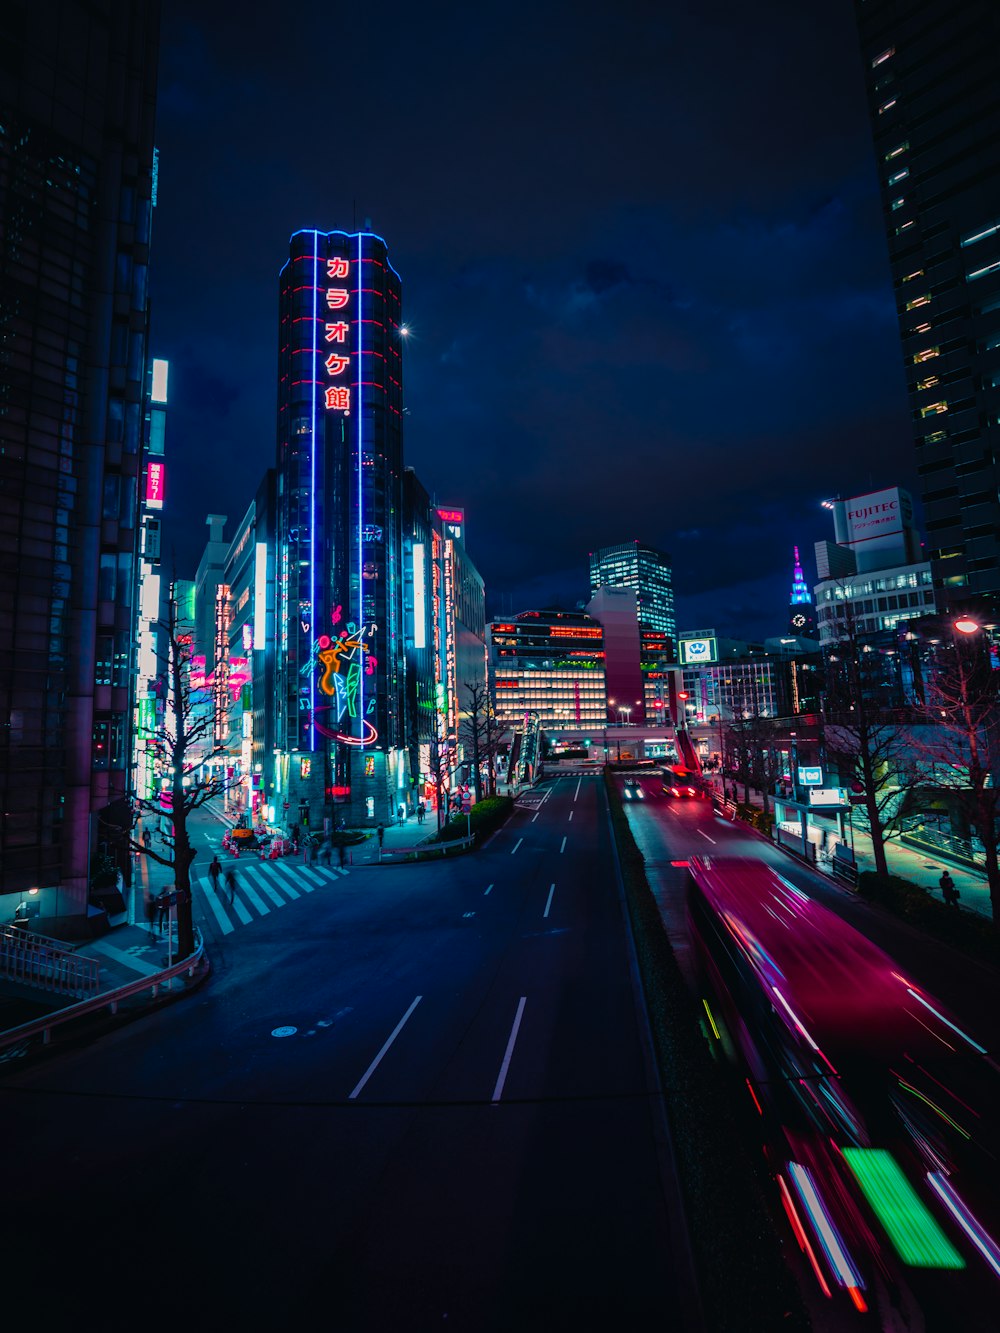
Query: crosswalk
262	887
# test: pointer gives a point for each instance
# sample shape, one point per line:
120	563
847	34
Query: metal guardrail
108	1000
426	851
46	964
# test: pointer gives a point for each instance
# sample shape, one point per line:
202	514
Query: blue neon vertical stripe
361	584
312	509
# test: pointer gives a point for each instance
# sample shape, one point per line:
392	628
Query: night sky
642	259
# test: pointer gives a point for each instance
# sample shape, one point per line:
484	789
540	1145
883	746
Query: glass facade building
339	609
549	663
648	572
76	193
932	69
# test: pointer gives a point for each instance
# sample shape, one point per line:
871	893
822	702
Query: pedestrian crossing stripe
292	879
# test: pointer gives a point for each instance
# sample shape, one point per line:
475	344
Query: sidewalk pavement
906	862
132	949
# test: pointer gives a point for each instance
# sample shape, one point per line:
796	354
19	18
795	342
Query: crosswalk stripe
211	897
262	883
285	886
312	874
295	874
254	897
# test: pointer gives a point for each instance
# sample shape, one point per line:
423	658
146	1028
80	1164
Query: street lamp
966	625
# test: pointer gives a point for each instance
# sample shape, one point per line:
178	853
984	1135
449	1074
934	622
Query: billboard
698	652
156	477
879	518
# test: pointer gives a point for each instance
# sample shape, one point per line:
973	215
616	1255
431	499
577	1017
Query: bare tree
186	740
863	731
961	709
481	733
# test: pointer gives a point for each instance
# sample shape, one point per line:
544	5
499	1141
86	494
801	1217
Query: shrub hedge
965	930
484	817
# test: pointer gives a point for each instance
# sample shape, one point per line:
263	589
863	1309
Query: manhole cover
283	1032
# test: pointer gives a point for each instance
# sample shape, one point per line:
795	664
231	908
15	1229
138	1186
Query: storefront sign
337	396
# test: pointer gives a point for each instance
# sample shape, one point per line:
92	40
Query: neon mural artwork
343	662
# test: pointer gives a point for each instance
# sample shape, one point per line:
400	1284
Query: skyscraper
77	102
647	571
932	70
339	611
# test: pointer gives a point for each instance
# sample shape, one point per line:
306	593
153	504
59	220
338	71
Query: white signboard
826	796
696	652
878	519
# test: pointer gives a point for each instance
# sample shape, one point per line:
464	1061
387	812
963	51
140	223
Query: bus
878	1110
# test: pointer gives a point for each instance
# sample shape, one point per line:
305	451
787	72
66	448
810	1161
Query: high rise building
249	673
801	615
548	669
932	69
77	186
445	603
875	564
339	719
647	571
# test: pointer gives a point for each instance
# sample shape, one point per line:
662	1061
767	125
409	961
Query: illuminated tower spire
801	616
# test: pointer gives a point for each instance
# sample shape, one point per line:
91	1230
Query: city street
668	832
414	1097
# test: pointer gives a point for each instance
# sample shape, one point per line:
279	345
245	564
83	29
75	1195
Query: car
681	790
633	791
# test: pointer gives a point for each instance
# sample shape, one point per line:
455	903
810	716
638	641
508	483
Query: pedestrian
147	839
149	904
420	813
230	882
214	871
401	812
381	836
325	851
162	908
948	891
341	853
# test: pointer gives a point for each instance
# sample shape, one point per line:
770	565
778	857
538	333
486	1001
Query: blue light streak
312	507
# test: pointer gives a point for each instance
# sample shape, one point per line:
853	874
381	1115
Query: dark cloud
642	261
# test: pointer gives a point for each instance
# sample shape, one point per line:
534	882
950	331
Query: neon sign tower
801	614
339	595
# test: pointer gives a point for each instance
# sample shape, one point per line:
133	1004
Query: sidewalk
128	952
906	862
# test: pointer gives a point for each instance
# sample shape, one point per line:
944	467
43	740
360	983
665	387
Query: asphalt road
418	1098
669	831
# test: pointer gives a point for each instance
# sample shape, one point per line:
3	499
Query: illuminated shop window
929	382
918	301
887	54
926	354
898	150
934	409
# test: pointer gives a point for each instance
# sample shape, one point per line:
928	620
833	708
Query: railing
108	1000
426	849
46	964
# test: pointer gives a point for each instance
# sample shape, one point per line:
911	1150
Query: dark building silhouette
77	101
932	69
